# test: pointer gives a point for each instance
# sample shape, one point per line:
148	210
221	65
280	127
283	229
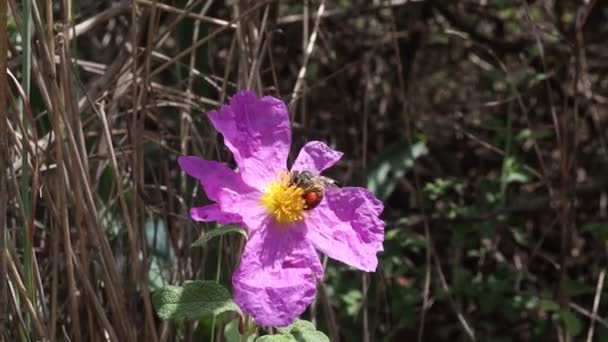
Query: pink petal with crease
227	189
316	156
212	212
345	226
276	279
258	133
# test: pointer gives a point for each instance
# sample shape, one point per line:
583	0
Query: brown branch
500	45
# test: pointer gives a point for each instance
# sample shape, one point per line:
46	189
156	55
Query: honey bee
314	186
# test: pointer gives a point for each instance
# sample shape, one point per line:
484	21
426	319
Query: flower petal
227	189
258	133
345	226
213	212
276	279
316	156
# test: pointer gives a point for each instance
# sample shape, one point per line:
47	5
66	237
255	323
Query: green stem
250	329
506	159
26	75
217	280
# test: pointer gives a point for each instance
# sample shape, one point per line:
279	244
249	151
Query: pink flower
276	279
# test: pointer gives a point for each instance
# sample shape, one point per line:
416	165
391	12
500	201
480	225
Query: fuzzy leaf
304	331
192	300
277	338
298	325
310	336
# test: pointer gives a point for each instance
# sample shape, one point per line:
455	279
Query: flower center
284	201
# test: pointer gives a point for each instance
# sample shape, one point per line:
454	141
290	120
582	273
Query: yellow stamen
284	201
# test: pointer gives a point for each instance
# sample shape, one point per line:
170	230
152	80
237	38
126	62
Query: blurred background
481	124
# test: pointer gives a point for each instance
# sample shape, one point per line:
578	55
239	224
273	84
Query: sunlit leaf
304	331
192	300
277	338
391	166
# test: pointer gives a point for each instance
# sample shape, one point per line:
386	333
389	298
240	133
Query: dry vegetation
481	124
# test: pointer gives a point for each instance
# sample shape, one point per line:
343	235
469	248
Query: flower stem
217	280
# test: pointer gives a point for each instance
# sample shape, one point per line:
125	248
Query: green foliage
192	300
391	165
300	331
276	338
440	187
299	324
497	97
310	336
352	299
528	134
162	254
513	172
599	230
573	324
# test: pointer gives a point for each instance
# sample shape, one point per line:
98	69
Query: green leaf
304	331
206	236
160	253
542	76
573	324
277	338
353	300
391	166
598	230
298	325
192	300
513	172
310	336
548	305
528	134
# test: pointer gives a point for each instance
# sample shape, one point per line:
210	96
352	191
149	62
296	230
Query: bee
314	186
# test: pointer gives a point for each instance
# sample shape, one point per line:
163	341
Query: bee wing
330	183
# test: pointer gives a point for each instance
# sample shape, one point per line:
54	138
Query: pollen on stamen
284	201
